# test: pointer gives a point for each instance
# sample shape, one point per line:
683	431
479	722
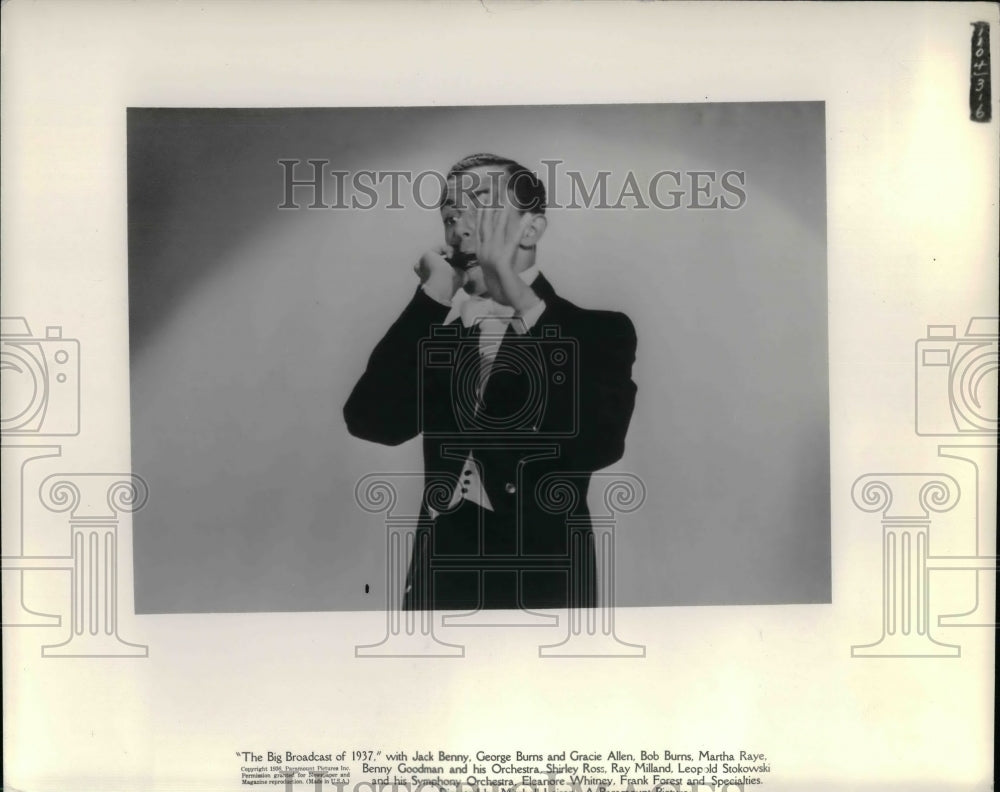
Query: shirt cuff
529	318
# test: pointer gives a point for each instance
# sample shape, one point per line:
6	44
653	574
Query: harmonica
462	261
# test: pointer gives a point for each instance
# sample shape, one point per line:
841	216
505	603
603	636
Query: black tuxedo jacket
556	408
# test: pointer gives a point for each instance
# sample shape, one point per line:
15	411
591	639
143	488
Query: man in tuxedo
520	396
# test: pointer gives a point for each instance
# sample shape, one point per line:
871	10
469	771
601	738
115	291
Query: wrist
439	290
523	298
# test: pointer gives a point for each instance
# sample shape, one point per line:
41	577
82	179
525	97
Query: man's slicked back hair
524	186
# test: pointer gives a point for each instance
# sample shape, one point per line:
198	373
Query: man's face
467	193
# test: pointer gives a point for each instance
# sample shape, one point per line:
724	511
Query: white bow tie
477	308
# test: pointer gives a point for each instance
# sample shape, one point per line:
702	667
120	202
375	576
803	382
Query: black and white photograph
509	304
498	395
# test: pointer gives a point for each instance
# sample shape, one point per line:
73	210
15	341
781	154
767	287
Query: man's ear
534	231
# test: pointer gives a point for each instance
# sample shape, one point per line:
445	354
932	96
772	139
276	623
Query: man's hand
439	278
499	235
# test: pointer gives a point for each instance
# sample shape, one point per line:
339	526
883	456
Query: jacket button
509	488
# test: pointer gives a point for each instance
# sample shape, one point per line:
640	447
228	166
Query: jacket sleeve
383	406
604	398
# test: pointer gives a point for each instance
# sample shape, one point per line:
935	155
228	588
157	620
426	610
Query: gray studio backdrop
250	324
